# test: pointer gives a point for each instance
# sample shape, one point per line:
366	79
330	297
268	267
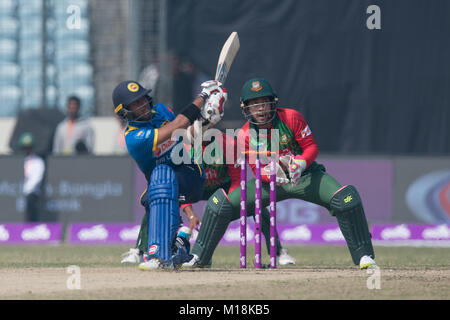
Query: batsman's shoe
284	258
366	262
177	260
182	239
152	264
132	256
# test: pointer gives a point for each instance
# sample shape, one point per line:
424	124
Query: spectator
34	169
74	135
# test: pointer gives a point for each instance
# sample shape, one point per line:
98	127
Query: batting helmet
125	94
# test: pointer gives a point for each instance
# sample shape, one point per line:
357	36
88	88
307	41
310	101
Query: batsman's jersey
141	138
295	137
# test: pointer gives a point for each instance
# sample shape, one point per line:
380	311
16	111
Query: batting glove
213	109
208	88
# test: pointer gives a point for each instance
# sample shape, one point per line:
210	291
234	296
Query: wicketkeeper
299	176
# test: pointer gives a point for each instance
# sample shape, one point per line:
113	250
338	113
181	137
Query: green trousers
315	186
142	239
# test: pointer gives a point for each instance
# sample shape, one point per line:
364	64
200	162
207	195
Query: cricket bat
226	57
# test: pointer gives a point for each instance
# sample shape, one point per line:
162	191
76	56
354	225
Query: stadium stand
66	61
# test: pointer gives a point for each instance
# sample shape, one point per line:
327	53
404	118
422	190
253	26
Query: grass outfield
321	272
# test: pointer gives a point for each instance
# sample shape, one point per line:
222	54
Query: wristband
191	112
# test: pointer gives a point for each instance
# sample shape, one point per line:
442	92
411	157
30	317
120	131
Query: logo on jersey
133	87
306	132
212	177
152	250
284	139
164	147
256	86
140	134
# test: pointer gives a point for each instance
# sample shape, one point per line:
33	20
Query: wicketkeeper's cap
257	88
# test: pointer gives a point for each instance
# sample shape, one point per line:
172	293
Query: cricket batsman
299	176
148	140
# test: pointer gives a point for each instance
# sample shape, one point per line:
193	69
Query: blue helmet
125	94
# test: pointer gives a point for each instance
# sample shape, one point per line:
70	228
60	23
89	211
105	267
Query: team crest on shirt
306	132
284	139
133	87
212	177
256	86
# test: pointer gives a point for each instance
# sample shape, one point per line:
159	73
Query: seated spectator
74	135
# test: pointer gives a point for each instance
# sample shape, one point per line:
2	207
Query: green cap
26	140
256	88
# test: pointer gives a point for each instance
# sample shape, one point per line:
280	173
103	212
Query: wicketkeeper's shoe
366	262
284	258
152	264
132	256
194	263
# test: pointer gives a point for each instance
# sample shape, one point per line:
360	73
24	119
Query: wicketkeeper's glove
281	178
295	166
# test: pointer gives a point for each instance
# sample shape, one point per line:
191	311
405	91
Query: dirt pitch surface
320	273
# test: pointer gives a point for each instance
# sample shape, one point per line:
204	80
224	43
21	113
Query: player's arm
302	134
296	164
182	121
193	220
210	90
305	139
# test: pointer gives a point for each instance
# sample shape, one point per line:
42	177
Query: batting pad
164	219
347	205
216	218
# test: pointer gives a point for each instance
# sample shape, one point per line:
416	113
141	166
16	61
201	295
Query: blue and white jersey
141	138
